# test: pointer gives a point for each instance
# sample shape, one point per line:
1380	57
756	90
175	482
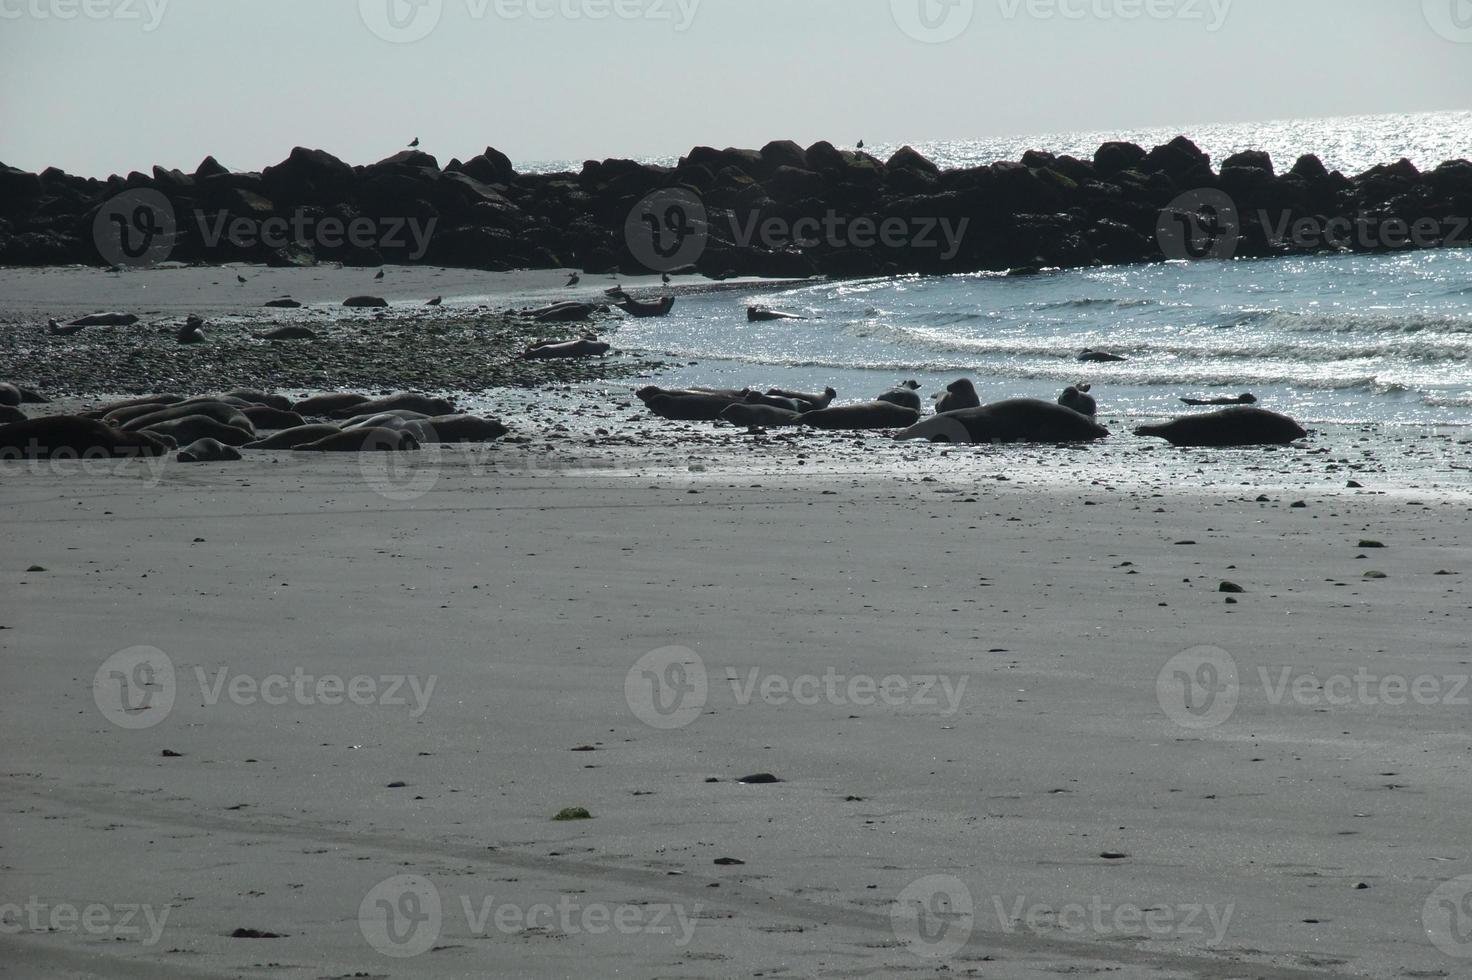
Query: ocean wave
1294	321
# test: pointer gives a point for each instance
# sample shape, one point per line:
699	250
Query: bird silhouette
240	279
415	143
380	274
617	290
666	278
575	278
861	144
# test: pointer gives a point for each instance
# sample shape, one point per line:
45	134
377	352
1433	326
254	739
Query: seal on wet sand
1090	356
363	441
873	415
959	394
265	418
291	438
1014	420
456	428
905	394
754	416
409	401
1229	427
288	333
548	350
219	411
208	451
326	404
814	401
192	428
260	398
690	406
71	436
10	414
1243	399
1077	397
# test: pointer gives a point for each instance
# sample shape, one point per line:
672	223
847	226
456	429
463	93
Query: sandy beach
314	717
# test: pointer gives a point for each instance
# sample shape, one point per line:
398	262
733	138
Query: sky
108	86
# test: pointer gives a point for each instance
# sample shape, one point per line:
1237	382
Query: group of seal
213	428
961	417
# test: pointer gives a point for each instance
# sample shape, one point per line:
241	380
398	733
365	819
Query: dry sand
1035	619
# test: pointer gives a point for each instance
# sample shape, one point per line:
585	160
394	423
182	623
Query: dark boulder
1112	158
783	153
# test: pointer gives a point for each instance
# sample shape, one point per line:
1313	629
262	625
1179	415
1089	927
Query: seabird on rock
239	278
574	279
415	143
861	144
380	274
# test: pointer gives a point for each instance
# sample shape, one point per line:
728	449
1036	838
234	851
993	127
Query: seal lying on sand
777	401
260	398
1229	427
288	333
873	415
1090	356
1014	420
363	441
10	414
959	394
562	313
70	436
1244	399
105	320
219	411
265	418
192	428
291	438
905	394
9	394
690	407
549	350
756	416
456	428
815	401
208	451
159	400
1077	398
365	421
406	400
325	404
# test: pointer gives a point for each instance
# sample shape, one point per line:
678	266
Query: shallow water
1366	338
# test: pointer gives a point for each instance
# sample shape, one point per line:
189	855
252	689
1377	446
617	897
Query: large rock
784	153
313	176
1115	157
1249	160
1181	160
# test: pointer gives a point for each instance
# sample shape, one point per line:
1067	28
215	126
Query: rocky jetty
783	211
